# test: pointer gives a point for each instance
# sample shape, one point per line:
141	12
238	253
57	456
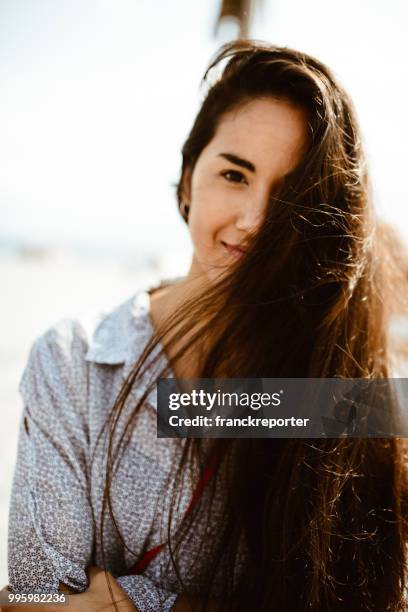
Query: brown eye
234	176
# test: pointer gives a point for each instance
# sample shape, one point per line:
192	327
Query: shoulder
64	341
59	358
55	367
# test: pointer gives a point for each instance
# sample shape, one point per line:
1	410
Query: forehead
268	132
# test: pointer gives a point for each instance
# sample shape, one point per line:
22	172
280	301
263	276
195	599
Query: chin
215	273
211	271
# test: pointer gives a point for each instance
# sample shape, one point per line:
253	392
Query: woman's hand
94	599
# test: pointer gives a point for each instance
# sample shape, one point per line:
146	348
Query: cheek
207	218
201	230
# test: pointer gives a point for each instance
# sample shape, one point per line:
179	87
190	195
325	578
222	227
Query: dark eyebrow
238	161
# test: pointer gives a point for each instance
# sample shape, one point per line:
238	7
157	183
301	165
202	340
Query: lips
234	249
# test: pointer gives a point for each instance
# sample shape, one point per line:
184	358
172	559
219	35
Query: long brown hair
322	521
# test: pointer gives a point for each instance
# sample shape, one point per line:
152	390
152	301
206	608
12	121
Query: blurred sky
97	97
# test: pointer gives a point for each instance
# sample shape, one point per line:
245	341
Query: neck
173	295
168	299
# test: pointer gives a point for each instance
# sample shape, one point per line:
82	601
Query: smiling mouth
234	249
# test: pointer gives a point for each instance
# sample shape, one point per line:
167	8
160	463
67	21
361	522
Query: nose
251	214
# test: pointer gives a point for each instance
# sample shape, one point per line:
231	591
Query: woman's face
252	150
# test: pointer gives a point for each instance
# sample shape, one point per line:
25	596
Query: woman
285	281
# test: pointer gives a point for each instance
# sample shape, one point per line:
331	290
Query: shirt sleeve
51	526
145	595
50	532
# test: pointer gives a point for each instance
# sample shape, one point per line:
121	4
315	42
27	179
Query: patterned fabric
73	375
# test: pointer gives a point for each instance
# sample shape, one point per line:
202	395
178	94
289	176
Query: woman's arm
98	593
51	528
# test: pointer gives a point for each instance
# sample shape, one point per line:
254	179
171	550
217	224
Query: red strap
208	473
141	565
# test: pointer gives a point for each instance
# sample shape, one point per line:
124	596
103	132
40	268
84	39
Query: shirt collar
120	336
113	337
